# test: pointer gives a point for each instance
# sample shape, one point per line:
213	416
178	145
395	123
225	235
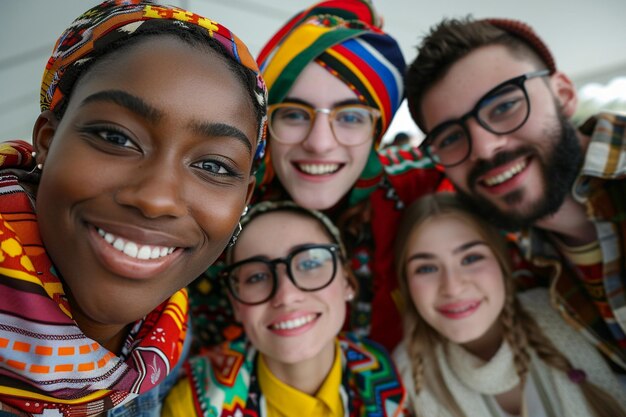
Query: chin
318	203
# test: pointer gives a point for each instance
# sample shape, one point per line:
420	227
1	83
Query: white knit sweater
566	398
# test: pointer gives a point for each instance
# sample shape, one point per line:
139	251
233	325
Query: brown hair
453	39
520	330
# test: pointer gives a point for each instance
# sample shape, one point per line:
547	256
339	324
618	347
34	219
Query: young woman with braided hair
472	346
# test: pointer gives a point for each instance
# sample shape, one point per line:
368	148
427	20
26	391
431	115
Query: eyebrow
153	115
335	104
221	129
462	248
128	101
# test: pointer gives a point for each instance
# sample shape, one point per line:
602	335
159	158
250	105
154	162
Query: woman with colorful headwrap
335	82
152	121
291	296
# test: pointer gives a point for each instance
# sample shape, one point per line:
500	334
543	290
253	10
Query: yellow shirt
285	401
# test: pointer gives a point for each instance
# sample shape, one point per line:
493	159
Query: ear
565	92
350	283
43	132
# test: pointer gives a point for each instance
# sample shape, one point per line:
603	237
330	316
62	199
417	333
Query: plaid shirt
601	187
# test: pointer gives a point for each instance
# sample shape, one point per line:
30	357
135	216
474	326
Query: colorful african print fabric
223	382
98	29
596	303
48	366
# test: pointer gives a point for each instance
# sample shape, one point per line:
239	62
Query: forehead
468	80
276	233
186	82
319	87
443	232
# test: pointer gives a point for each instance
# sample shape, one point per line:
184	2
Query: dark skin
155	150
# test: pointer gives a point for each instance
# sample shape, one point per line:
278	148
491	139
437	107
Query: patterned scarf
223	381
345	37
98	29
46	362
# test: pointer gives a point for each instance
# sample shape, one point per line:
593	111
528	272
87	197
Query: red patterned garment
46	361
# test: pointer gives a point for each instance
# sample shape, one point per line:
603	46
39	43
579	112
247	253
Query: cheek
458	175
360	154
278	153
422	294
216	211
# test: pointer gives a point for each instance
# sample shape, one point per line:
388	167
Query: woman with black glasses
290	295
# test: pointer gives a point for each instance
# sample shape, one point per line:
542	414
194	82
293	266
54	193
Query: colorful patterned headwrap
96	31
345	37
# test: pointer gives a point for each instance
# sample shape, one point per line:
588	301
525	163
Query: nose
155	190
485	144
452	283
286	293
321	138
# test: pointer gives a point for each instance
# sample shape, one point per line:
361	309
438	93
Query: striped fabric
346	38
46	362
601	186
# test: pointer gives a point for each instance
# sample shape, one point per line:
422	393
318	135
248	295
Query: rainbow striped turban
344	36
97	30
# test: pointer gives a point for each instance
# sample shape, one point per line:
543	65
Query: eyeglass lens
351	125
309	268
503	111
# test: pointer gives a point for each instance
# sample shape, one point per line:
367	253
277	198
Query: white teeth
135	250
293	324
144	252
119	244
506	175
319	169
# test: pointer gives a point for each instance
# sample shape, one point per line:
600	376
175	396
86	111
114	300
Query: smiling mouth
293	324
506	175
460	310
134	249
318	169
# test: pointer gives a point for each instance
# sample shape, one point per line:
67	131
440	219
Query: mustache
483	166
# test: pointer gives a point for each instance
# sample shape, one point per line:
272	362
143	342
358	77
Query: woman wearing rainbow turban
335	82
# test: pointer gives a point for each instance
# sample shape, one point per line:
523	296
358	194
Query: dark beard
559	168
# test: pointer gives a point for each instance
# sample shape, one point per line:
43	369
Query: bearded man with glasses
496	111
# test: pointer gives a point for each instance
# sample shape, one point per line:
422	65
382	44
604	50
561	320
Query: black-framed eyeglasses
309	267
504	109
351	124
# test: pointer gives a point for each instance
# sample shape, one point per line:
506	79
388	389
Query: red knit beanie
528	35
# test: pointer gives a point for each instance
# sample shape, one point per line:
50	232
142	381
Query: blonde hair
519	329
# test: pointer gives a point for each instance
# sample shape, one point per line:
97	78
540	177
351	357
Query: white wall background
588	39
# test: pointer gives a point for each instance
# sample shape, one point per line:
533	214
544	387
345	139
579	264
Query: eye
312	259
213	167
353	116
471	259
292	115
450	140
111	136
504	108
425	269
258	278
309	264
